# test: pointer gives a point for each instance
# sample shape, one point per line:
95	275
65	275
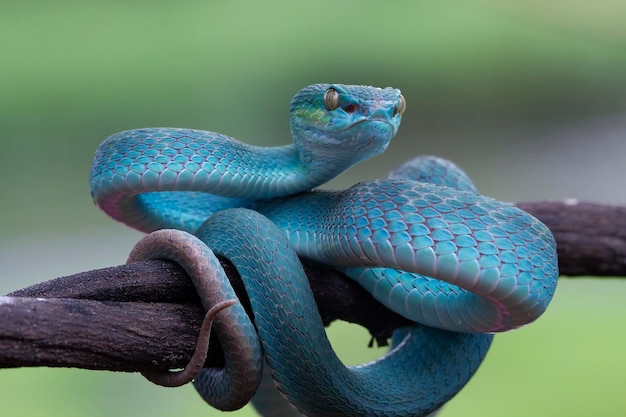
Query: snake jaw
371	144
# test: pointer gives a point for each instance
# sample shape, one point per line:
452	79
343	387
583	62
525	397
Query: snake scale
424	242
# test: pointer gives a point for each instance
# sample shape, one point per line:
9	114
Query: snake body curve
436	251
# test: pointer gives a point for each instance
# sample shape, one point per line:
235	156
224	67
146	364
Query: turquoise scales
487	266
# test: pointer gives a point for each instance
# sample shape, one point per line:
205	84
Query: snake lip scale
423	242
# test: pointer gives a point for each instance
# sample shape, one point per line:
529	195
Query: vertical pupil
331	99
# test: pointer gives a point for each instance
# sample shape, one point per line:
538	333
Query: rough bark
591	238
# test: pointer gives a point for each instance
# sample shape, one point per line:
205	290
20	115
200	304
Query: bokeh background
528	96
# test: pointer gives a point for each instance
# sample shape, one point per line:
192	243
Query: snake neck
317	156
284	170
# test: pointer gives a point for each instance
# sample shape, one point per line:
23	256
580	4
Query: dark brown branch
131	318
591	238
108	313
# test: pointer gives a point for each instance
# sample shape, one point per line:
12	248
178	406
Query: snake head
344	123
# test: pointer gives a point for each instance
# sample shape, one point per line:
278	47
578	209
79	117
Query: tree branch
130	317
591	238
147	314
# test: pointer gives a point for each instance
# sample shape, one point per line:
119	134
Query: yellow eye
331	99
400	108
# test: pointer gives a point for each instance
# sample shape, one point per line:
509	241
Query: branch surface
591	238
147	315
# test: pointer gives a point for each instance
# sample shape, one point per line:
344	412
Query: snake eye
400	108
331	99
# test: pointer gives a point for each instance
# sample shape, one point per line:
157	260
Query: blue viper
423	242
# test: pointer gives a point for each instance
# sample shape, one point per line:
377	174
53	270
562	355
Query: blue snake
423	242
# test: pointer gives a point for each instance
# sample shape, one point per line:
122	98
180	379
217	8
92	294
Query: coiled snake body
423	242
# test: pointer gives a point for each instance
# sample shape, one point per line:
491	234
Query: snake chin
373	137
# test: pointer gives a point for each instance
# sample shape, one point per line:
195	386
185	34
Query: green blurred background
528	96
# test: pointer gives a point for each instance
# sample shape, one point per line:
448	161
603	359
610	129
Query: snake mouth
378	125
